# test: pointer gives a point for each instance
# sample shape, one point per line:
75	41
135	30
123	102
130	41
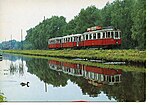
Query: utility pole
11	42
21	40
44	17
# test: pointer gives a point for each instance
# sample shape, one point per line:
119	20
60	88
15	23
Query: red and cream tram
94	37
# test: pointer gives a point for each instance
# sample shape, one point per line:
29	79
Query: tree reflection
40	68
21	69
131	87
15	69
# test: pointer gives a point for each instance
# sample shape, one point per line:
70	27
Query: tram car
97	36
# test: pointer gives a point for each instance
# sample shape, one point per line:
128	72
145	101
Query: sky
25	14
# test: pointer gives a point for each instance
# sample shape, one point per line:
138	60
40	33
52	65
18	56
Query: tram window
109	78
98	35
108	34
103	34
71	39
116	34
117	78
79	38
65	39
112	34
94	36
86	37
113	79
90	36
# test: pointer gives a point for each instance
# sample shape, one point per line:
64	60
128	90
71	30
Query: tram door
78	41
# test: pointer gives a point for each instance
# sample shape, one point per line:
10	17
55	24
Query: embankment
129	56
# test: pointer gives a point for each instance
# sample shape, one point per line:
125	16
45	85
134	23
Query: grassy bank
109	55
125	68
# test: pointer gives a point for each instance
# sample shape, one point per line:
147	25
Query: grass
109	55
125	68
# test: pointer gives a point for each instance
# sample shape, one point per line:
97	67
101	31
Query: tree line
127	15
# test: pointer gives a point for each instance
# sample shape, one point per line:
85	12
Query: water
51	80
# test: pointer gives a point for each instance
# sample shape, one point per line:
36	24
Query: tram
97	36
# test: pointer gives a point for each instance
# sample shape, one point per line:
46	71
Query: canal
25	78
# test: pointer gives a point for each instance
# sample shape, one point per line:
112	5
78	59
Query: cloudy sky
25	14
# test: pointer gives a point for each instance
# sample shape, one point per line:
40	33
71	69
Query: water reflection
95	76
41	69
122	86
53	75
15	68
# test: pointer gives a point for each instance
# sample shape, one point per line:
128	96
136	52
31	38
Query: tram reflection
95	75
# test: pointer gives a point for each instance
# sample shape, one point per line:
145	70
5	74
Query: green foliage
87	18
11	44
139	20
127	15
39	35
2	98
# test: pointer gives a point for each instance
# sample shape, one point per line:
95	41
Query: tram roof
73	35
101	31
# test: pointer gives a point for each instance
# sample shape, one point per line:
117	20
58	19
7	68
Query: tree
139	20
39	35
